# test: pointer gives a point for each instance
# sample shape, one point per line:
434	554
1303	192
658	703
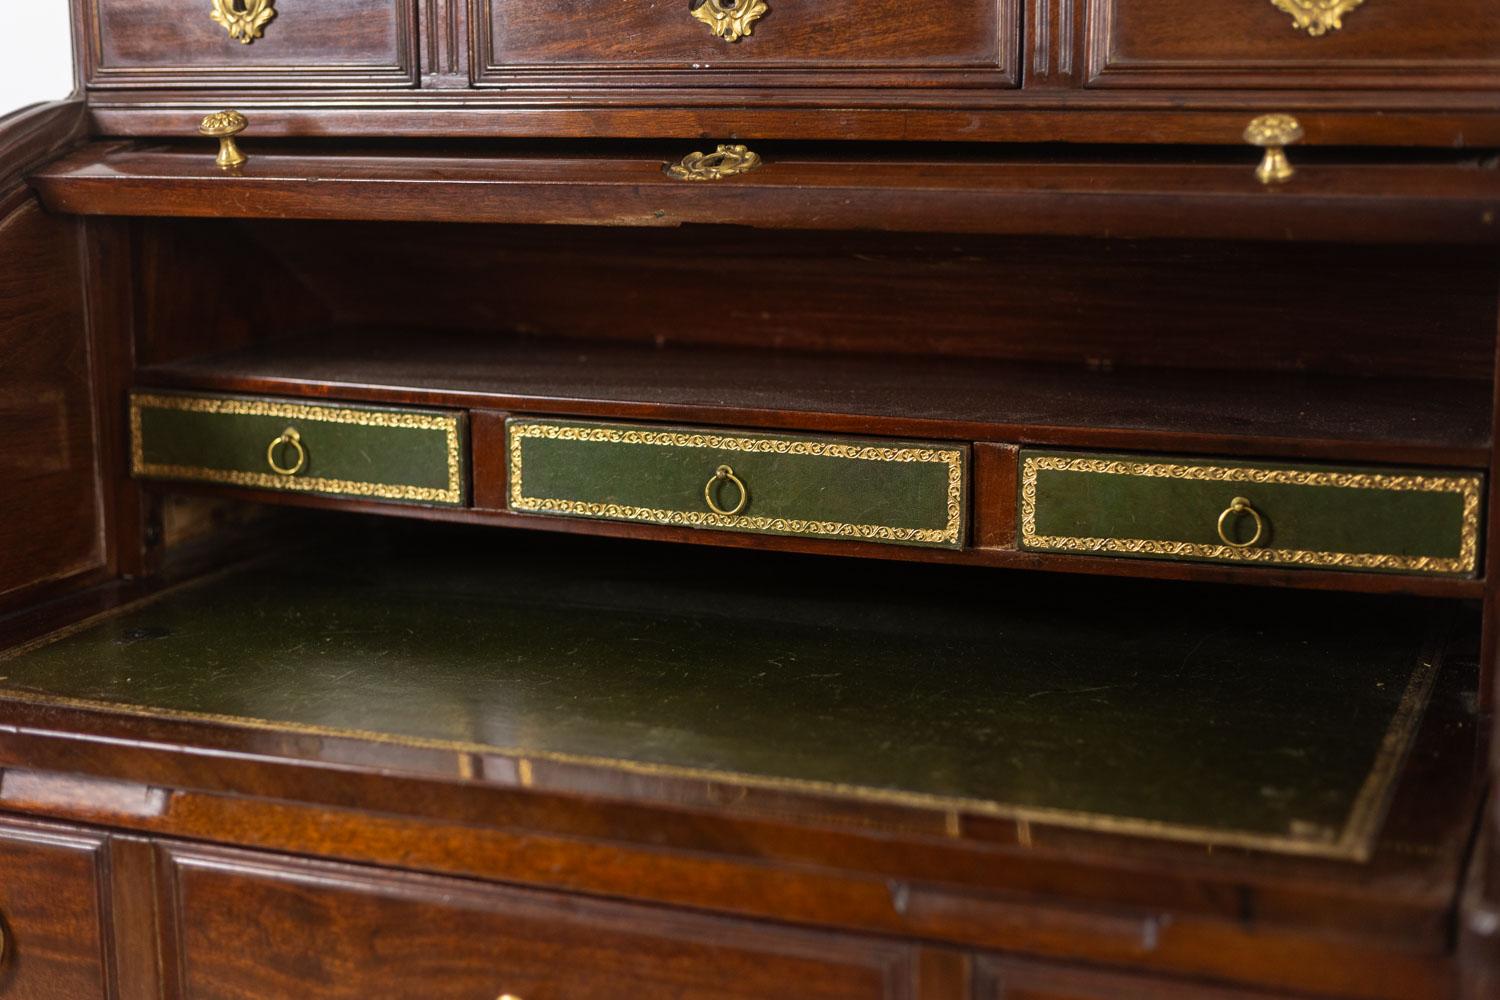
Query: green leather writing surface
1256	717
412	456
1334	517
869	489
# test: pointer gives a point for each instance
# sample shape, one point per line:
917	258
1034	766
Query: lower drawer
868	489
1392	520
410	456
50	896
254	927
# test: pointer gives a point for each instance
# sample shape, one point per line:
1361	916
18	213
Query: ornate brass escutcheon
1274	133
1317	17
726	161
730	20
243	19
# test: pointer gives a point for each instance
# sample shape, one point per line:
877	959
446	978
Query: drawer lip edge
450	422
953	454
1467	483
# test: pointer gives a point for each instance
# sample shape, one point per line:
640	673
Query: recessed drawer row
883	43
874	490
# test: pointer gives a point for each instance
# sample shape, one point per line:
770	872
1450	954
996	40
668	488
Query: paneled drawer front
1392	520
878	41
50	893
292	43
408	456
1305	43
253	928
873	490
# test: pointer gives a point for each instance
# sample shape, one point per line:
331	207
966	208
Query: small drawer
866	489
1390	520
407	456
1318	44
321	931
50	892
750	43
275	43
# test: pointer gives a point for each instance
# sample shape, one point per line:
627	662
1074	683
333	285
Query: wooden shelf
1449	202
1343	418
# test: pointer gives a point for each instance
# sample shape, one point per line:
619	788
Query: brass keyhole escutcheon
1237	508
726	161
289	439
724	474
730	20
245	20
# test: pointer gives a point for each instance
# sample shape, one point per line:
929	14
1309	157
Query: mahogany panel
1251	43
1101	305
50	507
1449	202
1010	979
645	43
1449	119
51	905
346	43
336	932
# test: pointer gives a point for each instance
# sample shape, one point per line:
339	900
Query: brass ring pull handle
722	474
291	439
1237	506
730	20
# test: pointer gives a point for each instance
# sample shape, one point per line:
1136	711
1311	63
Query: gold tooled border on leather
448	423
1469	487
1354	842
951	534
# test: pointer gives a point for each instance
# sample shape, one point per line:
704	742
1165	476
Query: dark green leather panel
412	456
1334	517
1166	710
871	489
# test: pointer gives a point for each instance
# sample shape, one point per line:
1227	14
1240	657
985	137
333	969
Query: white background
36	58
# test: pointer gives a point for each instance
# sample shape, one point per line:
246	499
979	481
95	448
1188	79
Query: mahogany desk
711	499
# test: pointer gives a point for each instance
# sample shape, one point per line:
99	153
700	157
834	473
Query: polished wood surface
331	932
1225	43
175	43
51	905
50	519
1354	203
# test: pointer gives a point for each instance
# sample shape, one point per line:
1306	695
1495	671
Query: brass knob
291	439
730	20
724	474
726	161
1238	506
224	126
1274	133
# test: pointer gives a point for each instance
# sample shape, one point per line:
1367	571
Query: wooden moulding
1357	204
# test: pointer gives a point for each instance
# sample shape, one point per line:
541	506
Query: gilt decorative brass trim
730	20
726	161
950	534
1317	17
453	493
247	22
1467	486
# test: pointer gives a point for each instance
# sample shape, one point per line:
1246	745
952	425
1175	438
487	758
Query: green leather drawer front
873	490
407	456
1331	517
